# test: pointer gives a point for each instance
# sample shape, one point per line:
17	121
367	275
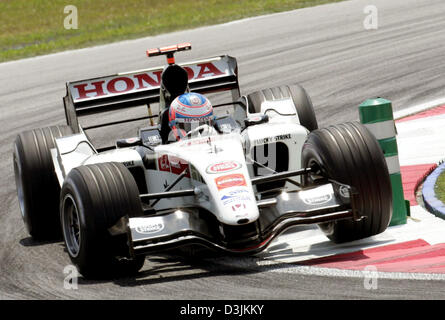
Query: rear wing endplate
142	87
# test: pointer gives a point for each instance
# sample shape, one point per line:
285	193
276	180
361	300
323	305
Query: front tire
93	199
350	154
38	189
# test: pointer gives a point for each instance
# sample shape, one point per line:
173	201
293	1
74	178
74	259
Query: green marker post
377	116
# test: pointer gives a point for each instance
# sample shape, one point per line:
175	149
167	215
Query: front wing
175	228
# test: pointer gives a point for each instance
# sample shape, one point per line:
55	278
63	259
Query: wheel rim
71	226
19	185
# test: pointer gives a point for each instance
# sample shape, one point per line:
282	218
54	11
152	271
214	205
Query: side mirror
256	118
130	142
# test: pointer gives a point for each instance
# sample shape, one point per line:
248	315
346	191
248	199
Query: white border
418	108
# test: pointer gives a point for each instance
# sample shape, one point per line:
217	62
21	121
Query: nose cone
237	206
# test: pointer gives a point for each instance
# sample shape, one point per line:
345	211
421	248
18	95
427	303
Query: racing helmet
189	111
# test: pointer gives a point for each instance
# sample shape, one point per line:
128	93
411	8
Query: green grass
35	27
439	188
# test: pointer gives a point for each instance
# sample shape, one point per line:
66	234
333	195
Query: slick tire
350	154
302	102
93	199
38	189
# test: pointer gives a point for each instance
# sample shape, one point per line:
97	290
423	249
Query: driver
188	112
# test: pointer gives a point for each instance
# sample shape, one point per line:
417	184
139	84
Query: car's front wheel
350	154
93	199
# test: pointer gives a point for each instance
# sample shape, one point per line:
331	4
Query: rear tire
93	199
302	102
350	154
38	189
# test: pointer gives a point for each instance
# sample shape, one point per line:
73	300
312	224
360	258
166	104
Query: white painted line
418	108
280	267
412	136
331	272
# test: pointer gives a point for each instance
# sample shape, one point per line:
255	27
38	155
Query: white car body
214	188
200	153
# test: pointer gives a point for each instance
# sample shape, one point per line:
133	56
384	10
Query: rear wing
142	87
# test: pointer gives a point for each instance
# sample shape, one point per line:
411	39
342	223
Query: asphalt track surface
324	48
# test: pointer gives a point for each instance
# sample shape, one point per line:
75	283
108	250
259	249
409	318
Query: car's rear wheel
302	102
93	199
350	154
38	189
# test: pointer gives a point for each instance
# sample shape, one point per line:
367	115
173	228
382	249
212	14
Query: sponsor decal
150	228
178	165
194	142
317	200
239	195
231	180
273	139
181	108
238	207
114	85
131	140
173	164
163	163
318	195
128	163
194	99
191	120
225	127
240	210
223	166
204	140
256	118
155	139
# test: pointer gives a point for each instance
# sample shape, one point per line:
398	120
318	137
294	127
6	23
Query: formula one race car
233	184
